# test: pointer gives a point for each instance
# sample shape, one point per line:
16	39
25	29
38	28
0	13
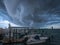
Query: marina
55	40
29	36
29	22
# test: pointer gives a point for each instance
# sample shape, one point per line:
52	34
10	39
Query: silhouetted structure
1	33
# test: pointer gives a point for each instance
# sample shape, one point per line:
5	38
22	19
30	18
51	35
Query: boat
36	39
32	39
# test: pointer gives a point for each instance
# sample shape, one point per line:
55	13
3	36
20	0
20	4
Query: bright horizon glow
5	24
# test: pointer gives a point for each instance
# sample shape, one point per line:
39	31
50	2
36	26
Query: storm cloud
33	13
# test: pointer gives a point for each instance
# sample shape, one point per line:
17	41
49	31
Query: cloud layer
33	13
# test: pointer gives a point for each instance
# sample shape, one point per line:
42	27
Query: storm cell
34	13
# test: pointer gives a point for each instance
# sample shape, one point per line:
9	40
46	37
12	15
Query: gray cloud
33	12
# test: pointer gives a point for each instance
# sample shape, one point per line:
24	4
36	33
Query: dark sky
32	13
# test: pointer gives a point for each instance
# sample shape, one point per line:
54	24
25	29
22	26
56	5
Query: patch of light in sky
55	26
4	24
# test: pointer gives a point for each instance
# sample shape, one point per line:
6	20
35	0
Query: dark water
55	40
1	44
